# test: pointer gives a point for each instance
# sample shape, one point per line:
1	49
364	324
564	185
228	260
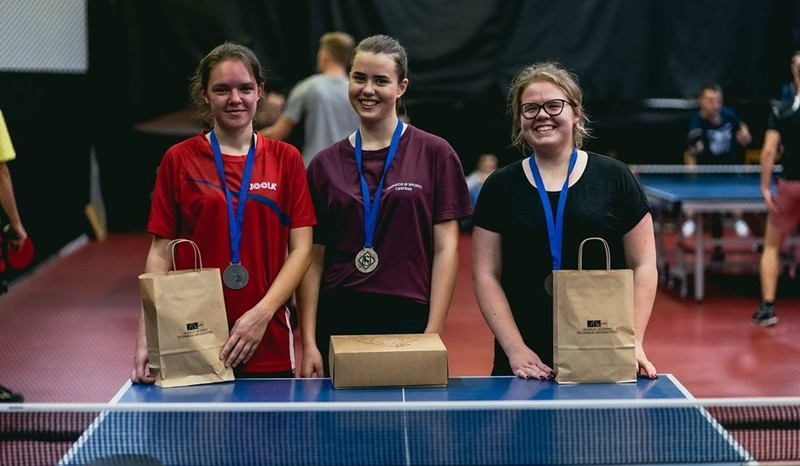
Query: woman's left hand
245	336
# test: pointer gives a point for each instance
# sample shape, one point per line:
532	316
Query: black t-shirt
606	201
786	121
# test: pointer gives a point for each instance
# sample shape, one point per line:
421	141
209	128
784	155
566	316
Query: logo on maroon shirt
405	186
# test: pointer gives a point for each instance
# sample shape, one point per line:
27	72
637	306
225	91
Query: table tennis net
732	169
688	432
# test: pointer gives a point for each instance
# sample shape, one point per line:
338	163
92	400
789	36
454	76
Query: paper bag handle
198	260
605	245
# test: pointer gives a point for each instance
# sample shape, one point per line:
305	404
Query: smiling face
233	94
546	131
375	87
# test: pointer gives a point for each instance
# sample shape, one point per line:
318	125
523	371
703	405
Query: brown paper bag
185	323
593	333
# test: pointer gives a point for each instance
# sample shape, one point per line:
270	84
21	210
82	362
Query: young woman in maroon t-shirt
388	200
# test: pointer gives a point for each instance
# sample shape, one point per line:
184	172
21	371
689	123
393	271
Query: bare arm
280	130
689	158
743	136
796	72
769	151
157	261
487	266
307	300
443	273
9	205
272	109
640	254
696	148
249	329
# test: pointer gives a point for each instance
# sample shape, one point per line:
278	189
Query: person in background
8	201
782	138
515	245
485	166
717	136
388	198
200	187
269	113
789	89
320	100
13	221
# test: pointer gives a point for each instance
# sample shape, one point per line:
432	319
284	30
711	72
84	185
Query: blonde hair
339	45
555	73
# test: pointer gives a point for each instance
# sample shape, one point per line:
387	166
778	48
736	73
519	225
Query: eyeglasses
551	107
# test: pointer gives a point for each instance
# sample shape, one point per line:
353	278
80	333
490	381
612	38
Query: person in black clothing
514	244
717	136
783	214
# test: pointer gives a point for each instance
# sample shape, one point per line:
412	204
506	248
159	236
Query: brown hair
390	46
199	83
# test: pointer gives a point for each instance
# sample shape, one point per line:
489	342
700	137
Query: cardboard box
397	360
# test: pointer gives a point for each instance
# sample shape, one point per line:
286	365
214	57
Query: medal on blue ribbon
367	258
235	275
555	228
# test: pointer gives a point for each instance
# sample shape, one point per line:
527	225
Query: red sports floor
67	330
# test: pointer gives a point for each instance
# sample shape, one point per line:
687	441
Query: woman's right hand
312	363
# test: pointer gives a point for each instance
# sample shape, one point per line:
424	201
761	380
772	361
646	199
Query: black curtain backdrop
640	63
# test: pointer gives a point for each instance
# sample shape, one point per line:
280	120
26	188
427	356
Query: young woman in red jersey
244	200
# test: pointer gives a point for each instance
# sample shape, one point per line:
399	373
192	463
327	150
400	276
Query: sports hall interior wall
640	64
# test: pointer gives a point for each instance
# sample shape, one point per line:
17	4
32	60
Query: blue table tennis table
474	420
702	190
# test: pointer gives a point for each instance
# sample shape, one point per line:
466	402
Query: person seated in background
485	166
717	136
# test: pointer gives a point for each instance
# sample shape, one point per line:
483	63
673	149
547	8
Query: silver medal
366	260
235	276
548	284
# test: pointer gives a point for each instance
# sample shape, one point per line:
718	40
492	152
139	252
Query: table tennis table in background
708	189
474	420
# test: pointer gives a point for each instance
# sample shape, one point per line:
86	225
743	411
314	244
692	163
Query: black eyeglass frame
543	106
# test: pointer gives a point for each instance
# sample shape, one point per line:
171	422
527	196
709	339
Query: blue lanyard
555	229
235	222
371	208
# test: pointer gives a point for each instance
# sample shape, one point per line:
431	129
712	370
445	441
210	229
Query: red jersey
189	202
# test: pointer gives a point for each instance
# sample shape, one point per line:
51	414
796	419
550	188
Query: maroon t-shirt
424	185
